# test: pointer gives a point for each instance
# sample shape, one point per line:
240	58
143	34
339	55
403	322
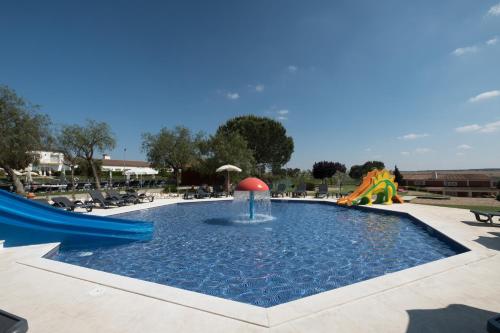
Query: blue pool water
307	249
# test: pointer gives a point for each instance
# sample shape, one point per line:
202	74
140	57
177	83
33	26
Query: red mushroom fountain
252	185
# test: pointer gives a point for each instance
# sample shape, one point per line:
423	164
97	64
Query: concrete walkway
456	294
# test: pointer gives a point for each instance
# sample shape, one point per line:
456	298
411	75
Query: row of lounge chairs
112	199
281	191
115	198
300	191
203	192
85	186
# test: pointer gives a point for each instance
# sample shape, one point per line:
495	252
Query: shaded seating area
486	217
67	204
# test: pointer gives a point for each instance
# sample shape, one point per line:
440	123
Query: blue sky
412	83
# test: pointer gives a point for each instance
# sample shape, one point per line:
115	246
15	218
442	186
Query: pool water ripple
307	249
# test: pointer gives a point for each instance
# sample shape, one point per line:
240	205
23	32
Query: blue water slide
20	212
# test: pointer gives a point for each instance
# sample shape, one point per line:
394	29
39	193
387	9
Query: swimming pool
306	249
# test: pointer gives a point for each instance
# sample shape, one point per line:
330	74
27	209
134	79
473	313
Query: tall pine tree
398	177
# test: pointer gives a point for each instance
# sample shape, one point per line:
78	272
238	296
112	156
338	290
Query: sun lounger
322	191
281	190
486	217
10	323
140	196
493	325
126	198
99	200
218	191
201	193
300	191
189	194
63	202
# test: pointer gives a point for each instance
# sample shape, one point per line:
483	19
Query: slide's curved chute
379	183
20	212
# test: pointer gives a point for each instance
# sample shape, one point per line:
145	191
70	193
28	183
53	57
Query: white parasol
227	168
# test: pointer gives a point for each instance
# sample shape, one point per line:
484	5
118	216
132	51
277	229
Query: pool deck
456	294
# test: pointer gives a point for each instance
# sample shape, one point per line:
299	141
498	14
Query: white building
48	162
126	166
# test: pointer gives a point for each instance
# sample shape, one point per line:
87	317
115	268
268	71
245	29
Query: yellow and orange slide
377	182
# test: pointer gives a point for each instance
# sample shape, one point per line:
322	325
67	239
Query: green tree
398	177
65	144
223	148
22	131
287	172
325	169
371	165
266	137
87	140
84	169
175	149
356	172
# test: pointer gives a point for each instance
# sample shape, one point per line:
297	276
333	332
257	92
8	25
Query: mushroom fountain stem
251	205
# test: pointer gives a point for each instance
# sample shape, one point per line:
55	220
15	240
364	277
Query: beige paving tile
422	299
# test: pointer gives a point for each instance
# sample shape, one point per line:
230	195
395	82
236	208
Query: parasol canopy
227	168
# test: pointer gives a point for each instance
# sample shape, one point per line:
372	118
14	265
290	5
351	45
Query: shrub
498	196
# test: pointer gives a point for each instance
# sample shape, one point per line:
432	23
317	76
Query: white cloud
484	96
492	41
282	114
259	88
405	153
423	150
461	153
464	50
490	127
368	149
413	136
232	96
486	128
495	10
292	68
468	128
464	147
